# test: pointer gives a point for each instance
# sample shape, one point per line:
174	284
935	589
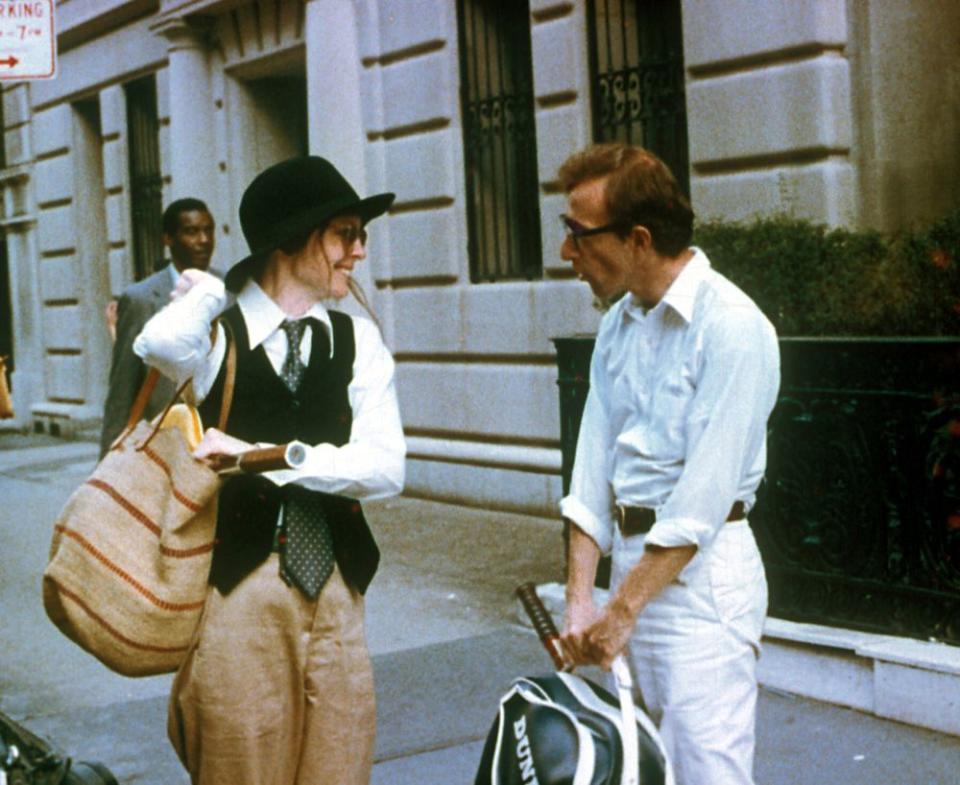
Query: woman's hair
296	244
361	297
640	189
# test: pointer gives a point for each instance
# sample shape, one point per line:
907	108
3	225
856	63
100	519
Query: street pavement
443	630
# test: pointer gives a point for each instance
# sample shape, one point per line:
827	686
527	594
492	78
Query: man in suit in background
188	231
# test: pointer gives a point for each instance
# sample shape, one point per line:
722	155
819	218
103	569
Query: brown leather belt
639	520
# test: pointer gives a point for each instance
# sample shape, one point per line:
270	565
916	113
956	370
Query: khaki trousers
277	689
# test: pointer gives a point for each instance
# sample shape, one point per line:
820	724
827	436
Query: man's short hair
171	216
641	189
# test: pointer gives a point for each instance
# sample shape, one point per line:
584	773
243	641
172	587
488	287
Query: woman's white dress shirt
177	341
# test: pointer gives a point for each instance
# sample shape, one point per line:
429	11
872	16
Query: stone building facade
847	113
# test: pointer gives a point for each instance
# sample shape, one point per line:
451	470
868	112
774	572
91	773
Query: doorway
279	109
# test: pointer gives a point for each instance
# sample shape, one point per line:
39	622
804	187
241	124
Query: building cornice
170	9
183	33
81	22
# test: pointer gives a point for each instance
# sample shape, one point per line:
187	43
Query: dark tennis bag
565	730
26	759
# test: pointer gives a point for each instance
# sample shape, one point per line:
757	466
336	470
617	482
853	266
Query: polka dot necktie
307	557
293	368
307	553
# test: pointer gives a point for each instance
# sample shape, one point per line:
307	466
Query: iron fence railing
858	518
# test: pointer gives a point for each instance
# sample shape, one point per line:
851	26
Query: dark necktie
293	368
307	554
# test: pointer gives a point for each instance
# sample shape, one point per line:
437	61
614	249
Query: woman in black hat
278	686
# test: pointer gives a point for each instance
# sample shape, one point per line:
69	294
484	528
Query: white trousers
693	654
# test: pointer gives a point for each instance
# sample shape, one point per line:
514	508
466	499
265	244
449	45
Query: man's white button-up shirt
677	412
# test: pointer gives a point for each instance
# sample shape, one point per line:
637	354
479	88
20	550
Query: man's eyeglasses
575	230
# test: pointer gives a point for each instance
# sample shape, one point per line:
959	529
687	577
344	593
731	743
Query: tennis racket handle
262	459
542	622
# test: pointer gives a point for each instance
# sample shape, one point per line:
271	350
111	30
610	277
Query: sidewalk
442	631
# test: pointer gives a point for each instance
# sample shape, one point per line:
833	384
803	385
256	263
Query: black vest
264	410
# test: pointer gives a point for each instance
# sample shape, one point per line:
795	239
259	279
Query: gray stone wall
475	369
769	109
824	109
906	72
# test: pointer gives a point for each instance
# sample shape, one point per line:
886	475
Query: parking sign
27	42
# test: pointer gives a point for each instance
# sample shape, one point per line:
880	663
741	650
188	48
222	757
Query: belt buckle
621	518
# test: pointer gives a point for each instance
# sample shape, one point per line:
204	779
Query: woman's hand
216	443
187	280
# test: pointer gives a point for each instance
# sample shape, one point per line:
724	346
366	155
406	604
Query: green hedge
813	280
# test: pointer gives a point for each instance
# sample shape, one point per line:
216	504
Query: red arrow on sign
10	61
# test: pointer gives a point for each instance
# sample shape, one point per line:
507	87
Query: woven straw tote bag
130	557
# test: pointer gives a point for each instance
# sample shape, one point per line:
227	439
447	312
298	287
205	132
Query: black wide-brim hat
290	199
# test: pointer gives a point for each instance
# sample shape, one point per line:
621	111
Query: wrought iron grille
6	306
3	128
636	68
499	135
146	182
858	519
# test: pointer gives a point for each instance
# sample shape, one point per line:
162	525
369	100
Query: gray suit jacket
137	304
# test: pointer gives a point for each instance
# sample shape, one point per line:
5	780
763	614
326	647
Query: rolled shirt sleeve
590	502
370	465
726	429
176	341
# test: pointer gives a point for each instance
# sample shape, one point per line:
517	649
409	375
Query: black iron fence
858	519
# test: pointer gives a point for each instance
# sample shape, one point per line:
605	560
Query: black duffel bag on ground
562	729
26	759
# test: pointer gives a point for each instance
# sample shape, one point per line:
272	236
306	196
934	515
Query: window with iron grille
636	70
146	182
3	129
500	151
6	304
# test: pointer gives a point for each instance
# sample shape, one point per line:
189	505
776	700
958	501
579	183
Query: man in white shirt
684	376
188	233
278	687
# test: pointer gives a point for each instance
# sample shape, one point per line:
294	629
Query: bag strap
631	741
163	415
230	379
229	382
150	383
143	397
